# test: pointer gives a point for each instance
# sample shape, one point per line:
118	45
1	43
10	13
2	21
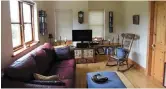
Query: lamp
50	37
65	40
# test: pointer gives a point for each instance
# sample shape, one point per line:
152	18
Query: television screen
82	35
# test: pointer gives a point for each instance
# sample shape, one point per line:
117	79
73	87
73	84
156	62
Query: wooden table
100	48
62	42
109	45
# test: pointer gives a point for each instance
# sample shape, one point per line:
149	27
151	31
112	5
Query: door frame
150	39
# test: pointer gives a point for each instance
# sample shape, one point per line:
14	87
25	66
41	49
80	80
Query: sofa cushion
66	63
121	53
62	52
22	69
65	72
50	53
42	61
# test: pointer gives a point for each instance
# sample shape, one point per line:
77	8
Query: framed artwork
164	79
136	19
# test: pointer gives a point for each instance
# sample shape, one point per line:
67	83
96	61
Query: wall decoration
136	19
80	17
110	21
42	22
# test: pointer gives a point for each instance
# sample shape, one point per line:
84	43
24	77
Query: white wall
6	35
117	8
41	6
75	6
84	6
139	49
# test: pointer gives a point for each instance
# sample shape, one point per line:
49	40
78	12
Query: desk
101	49
62	42
109	45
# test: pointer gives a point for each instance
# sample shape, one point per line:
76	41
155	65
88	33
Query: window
21	23
96	22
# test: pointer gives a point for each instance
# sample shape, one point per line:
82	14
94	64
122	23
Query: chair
120	55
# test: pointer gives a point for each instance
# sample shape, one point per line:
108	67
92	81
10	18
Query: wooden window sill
16	53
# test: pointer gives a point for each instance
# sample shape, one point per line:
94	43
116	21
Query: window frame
22	28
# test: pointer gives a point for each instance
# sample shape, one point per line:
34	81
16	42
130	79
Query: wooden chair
121	54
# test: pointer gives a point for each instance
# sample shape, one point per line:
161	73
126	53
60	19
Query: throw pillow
121	52
46	78
62	52
51	58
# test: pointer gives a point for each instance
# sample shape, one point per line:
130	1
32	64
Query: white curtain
96	22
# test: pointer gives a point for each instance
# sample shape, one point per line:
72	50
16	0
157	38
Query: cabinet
84	55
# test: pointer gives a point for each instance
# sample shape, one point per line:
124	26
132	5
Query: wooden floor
136	78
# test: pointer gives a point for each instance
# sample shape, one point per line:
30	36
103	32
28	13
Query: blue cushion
63	53
120	53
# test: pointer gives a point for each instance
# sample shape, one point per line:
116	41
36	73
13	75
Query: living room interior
83	44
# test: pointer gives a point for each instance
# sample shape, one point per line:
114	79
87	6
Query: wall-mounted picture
136	19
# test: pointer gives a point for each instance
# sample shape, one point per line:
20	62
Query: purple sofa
45	60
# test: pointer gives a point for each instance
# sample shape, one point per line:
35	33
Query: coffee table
113	80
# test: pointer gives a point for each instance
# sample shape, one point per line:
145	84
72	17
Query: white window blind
96	22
